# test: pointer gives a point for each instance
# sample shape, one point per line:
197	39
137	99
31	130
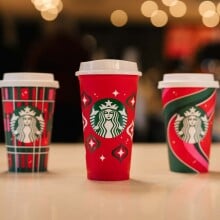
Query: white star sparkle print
102	158
115	93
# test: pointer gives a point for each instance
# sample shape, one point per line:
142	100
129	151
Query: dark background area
35	45
14	54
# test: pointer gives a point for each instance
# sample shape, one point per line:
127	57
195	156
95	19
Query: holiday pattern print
85	100
84	122
28	118
130	130
108	109
92	143
188	115
120	153
131	101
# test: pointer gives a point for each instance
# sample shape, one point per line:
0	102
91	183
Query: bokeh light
148	7
206	6
49	15
178	9
159	18
210	19
49	8
169	2
218	8
41	5
119	18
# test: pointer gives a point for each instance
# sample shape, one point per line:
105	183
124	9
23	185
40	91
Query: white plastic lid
188	80
108	67
29	79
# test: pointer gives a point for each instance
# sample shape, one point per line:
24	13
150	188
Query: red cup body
108	109
28	118
189	114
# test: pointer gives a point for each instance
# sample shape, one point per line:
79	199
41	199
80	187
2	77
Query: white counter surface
152	193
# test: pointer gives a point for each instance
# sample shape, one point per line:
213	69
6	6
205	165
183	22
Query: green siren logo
192	125
108	118
27	124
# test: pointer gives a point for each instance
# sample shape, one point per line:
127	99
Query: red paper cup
28	105
108	96
188	104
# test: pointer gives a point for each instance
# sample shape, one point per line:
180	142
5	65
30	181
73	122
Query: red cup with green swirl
108	95
189	102
28	104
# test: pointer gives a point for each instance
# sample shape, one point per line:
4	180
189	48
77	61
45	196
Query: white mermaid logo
27	124
108	118
192	126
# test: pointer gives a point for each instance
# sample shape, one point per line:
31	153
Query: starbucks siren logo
108	118
192	125
27	124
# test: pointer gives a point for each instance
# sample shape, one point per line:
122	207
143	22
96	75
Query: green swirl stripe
170	110
178	164
190	100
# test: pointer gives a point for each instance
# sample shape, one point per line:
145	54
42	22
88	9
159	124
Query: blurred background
160	35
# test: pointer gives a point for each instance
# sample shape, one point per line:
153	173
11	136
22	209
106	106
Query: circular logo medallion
108	118
27	124
191	125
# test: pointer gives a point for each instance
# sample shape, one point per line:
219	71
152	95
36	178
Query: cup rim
203	80
108	67
31	79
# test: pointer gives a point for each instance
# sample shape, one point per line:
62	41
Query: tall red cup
28	105
188	105
108	96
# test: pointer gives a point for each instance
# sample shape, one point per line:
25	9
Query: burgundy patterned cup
28	105
189	104
108	98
